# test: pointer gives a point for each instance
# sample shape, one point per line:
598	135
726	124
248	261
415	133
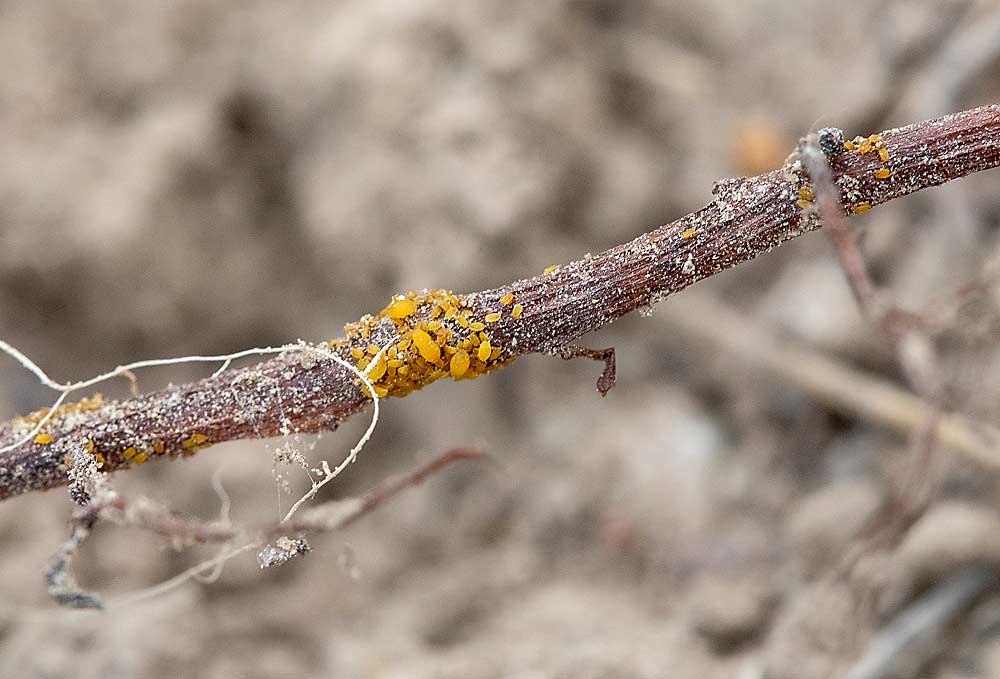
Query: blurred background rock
204	176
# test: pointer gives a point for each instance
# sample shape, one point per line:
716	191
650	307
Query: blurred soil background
199	177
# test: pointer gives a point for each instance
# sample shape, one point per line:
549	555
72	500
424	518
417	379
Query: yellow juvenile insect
485	351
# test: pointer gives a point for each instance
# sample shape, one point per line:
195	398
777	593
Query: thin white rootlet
215	563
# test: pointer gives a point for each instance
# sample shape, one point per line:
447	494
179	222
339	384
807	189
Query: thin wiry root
145	514
903	329
90	489
328	473
61	584
392	486
225	505
606	381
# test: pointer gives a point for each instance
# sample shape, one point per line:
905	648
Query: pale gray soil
202	176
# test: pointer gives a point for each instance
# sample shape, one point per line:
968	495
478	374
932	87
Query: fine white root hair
126	370
179	579
210	569
30	365
328	473
225	505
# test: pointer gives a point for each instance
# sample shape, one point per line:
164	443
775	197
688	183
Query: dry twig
299	391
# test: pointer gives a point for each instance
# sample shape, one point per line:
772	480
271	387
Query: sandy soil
200	177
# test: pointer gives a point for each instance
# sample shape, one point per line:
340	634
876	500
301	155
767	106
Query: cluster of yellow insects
863	146
436	335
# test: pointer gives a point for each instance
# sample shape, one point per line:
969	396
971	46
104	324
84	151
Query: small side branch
606	382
